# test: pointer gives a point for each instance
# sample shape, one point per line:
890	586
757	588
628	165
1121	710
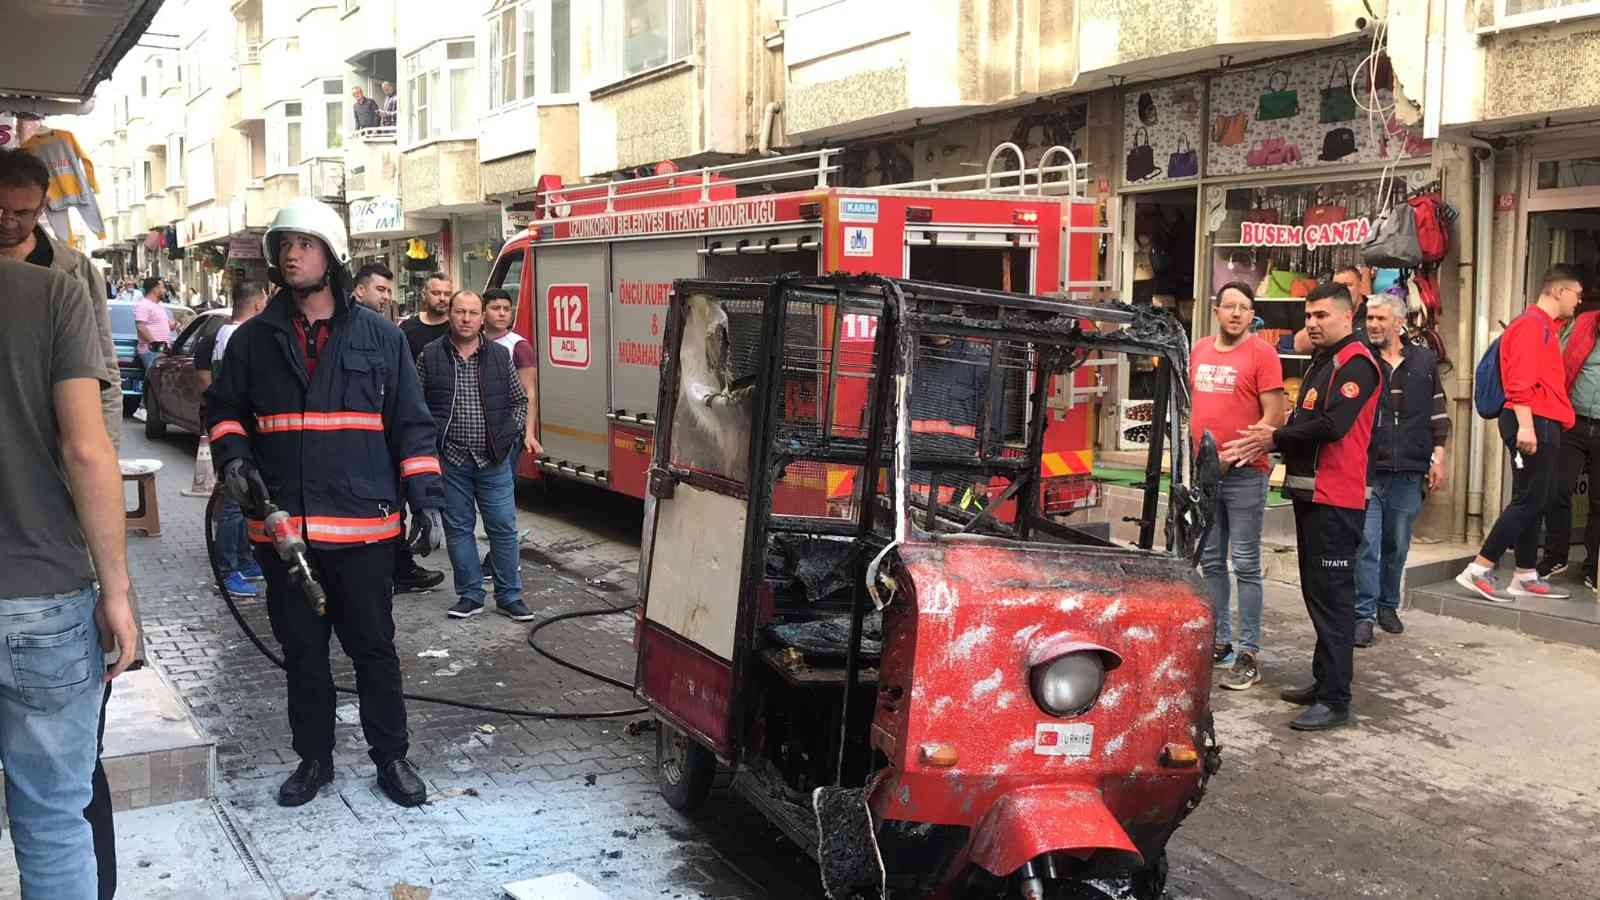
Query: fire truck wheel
684	769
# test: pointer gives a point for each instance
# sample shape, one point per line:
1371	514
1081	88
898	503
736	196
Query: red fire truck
591	277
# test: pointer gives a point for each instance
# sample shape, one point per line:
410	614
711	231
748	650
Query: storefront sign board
1350	231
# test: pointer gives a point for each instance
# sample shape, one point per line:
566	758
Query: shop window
1555	174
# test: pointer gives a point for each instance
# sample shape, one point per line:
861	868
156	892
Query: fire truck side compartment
572	401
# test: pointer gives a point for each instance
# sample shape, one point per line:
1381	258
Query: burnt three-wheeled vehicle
854	602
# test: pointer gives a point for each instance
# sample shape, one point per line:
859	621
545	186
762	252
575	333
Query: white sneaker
1534	586
1482	585
139	414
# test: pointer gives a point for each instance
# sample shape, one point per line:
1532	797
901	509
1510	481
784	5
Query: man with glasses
1237	382
1536	412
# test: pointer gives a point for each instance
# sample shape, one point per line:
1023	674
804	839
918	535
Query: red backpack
1431	234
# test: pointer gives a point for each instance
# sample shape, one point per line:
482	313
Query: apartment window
175	153
637	35
144	86
440	79
530	51
333	107
503	53
149	178
202	174
1512	13
560	46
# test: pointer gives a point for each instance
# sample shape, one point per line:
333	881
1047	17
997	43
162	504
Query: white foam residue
940	705
1004	700
1019	745
941	600
1110	699
1024	634
1140	633
1110	612
987	686
1070	603
1115	744
969	641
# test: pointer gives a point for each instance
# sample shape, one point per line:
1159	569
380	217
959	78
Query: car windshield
121	318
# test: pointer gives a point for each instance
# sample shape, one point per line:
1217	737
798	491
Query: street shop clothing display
1227	386
361	612
1580	454
1532	479
1326	442
1532	369
340	448
1235	536
478	405
1413	413
72	181
50	336
1392	508
419	334
1327	538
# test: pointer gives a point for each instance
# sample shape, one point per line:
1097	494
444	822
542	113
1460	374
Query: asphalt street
1470	775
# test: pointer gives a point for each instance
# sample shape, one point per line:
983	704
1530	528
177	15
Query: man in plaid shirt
480	409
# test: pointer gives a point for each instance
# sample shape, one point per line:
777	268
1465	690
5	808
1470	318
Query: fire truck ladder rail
819	165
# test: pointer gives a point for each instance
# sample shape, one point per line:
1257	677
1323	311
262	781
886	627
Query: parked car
126	338
171	387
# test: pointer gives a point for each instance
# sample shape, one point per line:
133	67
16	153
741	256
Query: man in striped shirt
1410	435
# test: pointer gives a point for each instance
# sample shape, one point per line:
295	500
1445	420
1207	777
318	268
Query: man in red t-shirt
1237	381
1537	410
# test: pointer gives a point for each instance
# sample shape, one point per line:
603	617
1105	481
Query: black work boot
416	580
399	779
1363	633
308	778
1389	620
1299	696
1321	717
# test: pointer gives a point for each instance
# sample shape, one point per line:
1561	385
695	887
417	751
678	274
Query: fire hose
292	550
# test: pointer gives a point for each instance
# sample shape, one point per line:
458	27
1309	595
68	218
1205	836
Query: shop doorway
1159	266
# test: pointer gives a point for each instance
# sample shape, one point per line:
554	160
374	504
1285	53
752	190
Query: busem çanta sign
1262	234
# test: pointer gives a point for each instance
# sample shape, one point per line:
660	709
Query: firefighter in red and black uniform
1325	447
318	408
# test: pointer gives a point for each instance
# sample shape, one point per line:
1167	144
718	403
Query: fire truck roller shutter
641	276
573	337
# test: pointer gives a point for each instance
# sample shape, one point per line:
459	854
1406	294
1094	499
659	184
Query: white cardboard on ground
561	886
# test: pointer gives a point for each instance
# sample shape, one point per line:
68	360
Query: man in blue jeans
234	557
1409	435
1237	381
62	516
480	411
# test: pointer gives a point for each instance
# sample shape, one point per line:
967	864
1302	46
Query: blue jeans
491	489
50	696
1236	534
233	541
1396	499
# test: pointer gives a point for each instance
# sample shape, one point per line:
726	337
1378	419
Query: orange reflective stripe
334	529
940	426
419	465
320	421
226	427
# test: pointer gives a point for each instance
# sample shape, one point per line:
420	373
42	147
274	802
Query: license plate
1057	739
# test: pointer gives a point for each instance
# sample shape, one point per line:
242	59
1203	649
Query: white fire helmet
318	219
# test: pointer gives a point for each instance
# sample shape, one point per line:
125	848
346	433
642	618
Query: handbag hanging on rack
1184	161
1278	102
1325	213
1141	158
1338	103
1228	130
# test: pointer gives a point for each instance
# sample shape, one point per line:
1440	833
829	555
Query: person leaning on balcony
365	109
390	111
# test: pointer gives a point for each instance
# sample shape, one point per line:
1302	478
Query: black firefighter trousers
1328	538
360	588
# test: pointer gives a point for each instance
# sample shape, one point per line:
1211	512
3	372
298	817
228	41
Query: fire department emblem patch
1349	389
1310	399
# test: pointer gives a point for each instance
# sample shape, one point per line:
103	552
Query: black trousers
1531	485
98	814
1329	538
359	585
1580	453
404	561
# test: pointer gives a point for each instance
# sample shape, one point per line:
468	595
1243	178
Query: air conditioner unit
323	179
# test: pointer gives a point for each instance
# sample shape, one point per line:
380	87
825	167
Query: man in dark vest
480	409
1325	448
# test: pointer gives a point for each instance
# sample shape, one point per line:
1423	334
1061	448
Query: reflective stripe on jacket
336	449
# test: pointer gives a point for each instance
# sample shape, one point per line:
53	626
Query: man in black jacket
317	409
479	411
1409	437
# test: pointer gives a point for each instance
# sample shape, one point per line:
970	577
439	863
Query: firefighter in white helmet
318	409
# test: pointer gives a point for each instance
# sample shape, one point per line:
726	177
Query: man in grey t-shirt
62	518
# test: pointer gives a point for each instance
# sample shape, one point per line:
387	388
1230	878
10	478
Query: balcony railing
377	135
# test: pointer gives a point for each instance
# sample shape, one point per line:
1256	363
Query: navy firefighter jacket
339	449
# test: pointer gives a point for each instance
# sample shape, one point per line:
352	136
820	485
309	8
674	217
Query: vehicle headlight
1068	685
